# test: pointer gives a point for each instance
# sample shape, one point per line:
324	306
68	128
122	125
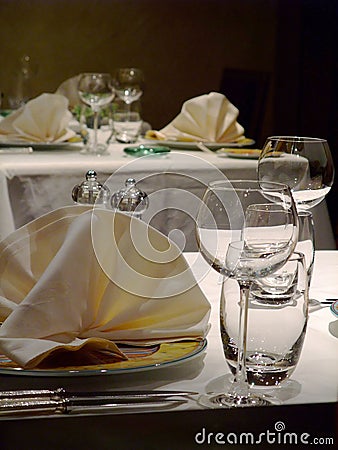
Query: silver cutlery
16	150
59	401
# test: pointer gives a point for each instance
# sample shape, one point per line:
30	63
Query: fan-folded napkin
78	280
210	118
44	119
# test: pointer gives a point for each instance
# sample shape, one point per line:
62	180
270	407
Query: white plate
140	359
244	153
43	146
186	145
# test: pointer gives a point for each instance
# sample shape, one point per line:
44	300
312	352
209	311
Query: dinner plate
139	359
189	145
43	146
244	153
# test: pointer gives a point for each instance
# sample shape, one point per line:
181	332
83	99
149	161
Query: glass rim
229	184
295	139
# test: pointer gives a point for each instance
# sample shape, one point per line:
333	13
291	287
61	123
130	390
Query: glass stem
96	126
240	385
128	110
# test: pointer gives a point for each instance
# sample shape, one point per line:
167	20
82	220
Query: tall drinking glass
277	321
245	230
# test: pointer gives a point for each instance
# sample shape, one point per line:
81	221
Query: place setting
43	124
127	335
209	119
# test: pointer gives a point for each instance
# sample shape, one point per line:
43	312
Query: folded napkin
210	118
43	119
76	281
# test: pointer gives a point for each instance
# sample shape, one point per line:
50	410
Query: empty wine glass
96	90
245	230
303	163
128	83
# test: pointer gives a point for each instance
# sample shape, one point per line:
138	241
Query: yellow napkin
78	280
210	118
43	119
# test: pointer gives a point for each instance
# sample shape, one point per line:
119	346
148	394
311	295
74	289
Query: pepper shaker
130	199
91	191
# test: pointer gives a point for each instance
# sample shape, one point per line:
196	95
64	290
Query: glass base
99	150
227	400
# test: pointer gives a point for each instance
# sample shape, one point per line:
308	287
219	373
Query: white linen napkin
210	118
78	280
44	119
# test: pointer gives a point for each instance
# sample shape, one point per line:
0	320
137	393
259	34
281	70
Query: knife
62	402
16	150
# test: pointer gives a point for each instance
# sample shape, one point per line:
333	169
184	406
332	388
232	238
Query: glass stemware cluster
97	90
245	230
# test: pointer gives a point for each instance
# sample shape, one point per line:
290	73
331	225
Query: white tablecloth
315	379
33	184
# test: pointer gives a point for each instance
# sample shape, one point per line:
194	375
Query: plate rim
192	145
60	373
231	153
42	145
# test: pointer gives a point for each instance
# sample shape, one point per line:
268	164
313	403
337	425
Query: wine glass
245	230
303	163
128	83
96	90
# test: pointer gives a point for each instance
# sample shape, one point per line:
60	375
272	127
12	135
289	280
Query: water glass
277	321
127	122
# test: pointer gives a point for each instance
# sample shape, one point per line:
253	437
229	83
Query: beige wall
182	45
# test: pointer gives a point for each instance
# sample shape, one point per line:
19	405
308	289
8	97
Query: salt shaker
91	191
130	199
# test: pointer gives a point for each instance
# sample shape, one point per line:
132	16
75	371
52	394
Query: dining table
33	183
307	409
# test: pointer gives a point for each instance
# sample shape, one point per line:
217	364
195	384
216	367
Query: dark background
275	60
